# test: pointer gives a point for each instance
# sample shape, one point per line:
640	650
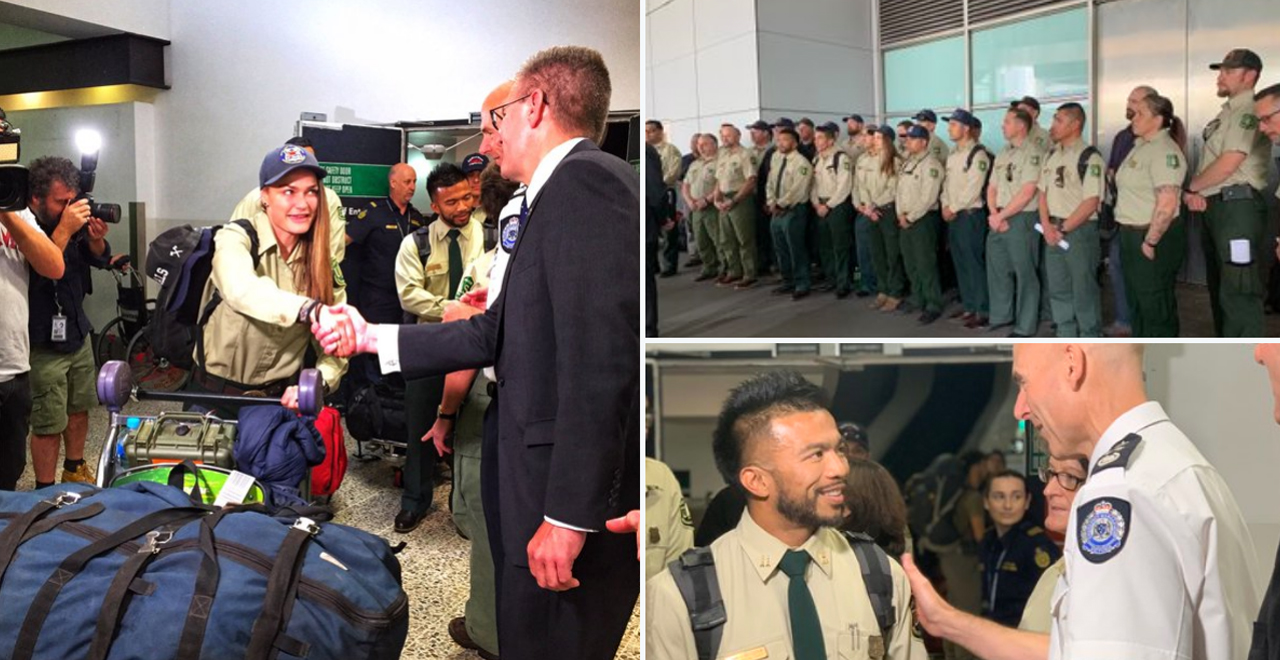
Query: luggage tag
235	489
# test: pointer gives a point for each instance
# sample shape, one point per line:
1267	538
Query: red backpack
327	476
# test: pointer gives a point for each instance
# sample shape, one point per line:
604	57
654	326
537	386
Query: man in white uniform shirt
1159	563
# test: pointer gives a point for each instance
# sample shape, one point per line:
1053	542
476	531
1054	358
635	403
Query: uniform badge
1042	558
1095	170
1119	455
804	171
655	536
686	518
875	647
982	165
1103	529
1172	161
1248	122
933	172
338	279
1035	160
509	234
361	215
292	155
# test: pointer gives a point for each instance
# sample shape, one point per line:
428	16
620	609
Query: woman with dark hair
876	506
875	184
1148	205
256	338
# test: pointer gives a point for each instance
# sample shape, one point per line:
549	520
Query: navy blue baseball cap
963	116
918	131
474	163
926	115
759	125
887	131
830	128
283	160
977	123
784	122
855	117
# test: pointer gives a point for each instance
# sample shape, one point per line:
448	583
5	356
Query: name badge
434	267
754	654
59	328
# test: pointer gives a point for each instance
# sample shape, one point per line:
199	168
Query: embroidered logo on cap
292	155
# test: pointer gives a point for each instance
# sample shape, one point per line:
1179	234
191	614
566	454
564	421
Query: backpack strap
973	153
1083	166
695	576
216	298
423	241
877	575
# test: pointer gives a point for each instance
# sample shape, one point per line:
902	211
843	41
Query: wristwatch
440	413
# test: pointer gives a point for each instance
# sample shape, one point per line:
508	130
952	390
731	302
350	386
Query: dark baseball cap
1239	58
918	132
758	125
855	117
283	160
784	122
977	123
926	115
830	128
887	131
474	163
806	120
790	130
963	116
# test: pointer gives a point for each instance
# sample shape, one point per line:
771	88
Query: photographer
62	366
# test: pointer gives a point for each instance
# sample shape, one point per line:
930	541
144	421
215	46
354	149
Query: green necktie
455	262
806	631
777	187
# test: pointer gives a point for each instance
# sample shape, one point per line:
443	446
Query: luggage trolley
173	437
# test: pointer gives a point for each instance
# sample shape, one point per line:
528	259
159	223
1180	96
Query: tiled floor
434	563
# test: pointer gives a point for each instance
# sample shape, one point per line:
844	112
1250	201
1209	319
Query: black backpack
931	500
180	261
695	577
422	240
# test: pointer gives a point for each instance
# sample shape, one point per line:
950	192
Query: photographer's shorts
61	384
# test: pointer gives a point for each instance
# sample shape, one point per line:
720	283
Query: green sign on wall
354	180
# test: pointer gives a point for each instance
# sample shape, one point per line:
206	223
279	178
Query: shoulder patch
1042	558
1172	161
803	170
1248	121
1119	454
686	518
982	164
933	172
338	279
1035	530
1035	159
1104	526
1095	170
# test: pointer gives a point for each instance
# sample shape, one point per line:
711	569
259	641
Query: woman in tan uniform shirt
256	339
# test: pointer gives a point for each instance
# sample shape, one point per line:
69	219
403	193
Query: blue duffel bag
146	571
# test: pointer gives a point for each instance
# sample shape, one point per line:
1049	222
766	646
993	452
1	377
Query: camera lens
13	188
106	212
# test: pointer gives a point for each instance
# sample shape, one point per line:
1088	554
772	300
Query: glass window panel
1042	57
927	75
993	119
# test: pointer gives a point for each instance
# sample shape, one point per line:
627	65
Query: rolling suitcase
173	437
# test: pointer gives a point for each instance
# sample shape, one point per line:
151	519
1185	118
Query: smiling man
1159	563
790	583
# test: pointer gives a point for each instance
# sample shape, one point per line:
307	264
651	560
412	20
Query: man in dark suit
564	338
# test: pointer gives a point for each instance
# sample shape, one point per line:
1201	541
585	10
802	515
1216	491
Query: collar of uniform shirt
1242	100
547	167
760	544
1137	418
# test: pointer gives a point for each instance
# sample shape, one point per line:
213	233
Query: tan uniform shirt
755	600
670	163
733	168
254	337
701	178
965	189
919	184
1151	164
669	526
1236	129
251	206
832	181
1016	167
423	289
1061	184
1037	614
854	148
872	185
938	148
757	155
789	183
1040	138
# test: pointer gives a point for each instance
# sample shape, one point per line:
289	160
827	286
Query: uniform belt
1237	192
1134	228
220	385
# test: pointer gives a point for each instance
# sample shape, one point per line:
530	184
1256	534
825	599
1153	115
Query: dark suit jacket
565	338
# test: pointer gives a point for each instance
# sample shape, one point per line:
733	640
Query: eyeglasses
496	117
1267	117
1068	481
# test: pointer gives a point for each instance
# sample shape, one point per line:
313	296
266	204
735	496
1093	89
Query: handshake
343	332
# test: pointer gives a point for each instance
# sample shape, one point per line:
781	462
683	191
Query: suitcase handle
176	480
201	418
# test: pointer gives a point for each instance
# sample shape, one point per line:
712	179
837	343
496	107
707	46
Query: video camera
90	142
13	177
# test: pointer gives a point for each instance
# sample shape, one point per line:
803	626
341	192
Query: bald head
402	179
1071	393
491	143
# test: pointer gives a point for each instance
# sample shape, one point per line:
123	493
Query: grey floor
702	309
434	563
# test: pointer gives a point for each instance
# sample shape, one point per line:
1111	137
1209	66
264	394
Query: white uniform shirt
1159	563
